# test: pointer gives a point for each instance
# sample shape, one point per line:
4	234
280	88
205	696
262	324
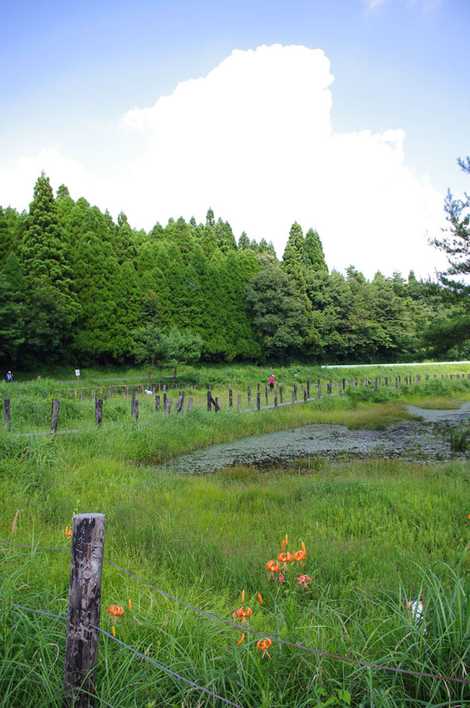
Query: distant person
77	373
271	380
9	378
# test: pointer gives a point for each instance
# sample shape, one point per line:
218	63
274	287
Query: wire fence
245	628
245	399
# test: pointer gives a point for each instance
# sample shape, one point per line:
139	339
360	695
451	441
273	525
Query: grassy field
31	401
377	533
240	374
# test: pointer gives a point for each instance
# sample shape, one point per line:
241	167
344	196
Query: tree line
78	286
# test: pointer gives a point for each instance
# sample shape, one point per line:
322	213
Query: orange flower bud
259	598
241	639
68	532
129	604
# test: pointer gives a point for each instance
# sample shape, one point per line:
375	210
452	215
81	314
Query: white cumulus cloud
254	139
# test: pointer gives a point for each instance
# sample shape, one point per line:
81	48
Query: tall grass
377	533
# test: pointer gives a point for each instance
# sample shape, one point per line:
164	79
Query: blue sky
69	71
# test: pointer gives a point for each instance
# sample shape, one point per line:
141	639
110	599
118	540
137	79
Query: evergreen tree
210	218
277	308
293	258
51	304
12	309
314	256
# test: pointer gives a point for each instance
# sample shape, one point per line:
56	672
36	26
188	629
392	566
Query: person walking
271	380
9	378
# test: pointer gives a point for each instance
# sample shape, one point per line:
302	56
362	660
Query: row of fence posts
162	401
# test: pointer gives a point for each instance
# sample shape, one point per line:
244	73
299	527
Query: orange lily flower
115	610
264	645
243	614
241	639
272	566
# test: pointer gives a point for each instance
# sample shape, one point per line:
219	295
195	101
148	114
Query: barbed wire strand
293	645
167	669
137	653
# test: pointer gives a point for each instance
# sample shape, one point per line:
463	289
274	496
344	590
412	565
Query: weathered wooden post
217	405
190	404
258	399
305	395
343	386
169	403
329	388
294	393
7	413
248	395
376	383
55	409
99	411
230	398
308	388
239	401
281	393
165	402
266	394
84	610
135	408
180	402
157	402
209	399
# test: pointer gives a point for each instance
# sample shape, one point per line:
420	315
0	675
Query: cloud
254	139
373	4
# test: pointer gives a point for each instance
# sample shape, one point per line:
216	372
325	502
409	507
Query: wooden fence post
294	393
248	394
84	610
230	398
305	395
266	394
99	411
55	415
157	402
135	408
308	388
343	385
281	393
329	388
258	399
169	403
7	413
209	400
180	402
217	406
238	402
190	404
275	399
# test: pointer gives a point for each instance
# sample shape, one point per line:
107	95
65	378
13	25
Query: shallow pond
425	439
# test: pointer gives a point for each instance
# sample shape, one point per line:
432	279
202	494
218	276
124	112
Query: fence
255	397
83	624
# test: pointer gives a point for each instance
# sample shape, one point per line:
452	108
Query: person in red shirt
271	380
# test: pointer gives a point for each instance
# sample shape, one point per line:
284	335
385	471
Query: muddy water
425	439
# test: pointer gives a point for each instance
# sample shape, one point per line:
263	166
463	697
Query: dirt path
411	440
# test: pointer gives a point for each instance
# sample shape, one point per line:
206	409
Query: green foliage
378	534
76	285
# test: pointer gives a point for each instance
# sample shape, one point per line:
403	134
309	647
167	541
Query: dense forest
78	287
